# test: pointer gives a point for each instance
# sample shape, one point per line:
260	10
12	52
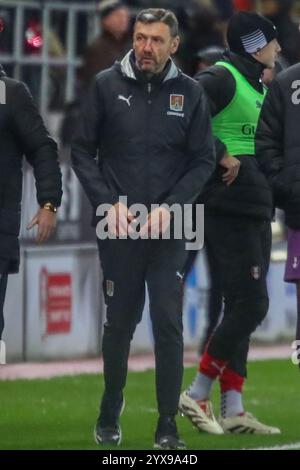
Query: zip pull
149	92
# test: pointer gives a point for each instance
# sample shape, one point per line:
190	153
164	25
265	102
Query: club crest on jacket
176	103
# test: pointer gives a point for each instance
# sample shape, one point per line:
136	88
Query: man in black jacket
150	124
277	149
22	131
237	224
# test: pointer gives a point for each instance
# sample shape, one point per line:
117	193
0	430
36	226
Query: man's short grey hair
159	15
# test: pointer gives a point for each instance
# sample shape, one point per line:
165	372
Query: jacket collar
128	70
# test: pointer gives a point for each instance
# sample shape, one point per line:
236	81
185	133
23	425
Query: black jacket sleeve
219	96
85	146
269	138
39	148
201	154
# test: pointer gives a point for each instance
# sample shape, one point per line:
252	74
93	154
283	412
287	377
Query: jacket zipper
149	92
149	89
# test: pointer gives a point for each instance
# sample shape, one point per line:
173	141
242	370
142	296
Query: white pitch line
294	445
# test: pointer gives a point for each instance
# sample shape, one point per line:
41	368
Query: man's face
268	54
153	45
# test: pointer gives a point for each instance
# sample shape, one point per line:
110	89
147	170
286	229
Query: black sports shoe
107	430
166	435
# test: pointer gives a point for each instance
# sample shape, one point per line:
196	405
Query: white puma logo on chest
123	98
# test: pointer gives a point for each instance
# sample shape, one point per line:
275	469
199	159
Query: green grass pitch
60	413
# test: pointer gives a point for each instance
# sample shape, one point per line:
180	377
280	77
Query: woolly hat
108	6
249	32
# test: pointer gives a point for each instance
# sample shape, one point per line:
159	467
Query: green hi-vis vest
236	124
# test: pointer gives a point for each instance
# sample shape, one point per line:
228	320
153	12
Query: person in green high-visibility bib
238	211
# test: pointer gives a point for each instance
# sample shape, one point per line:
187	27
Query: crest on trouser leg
255	272
110	287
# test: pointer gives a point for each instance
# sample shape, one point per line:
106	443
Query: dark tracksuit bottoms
128	266
238	249
242	245
215	299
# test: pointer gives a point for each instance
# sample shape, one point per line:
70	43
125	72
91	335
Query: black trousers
242	247
128	265
3	285
215	299
215	303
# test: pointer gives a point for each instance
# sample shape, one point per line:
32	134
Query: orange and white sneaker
200	413
246	423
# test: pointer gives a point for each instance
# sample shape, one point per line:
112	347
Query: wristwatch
49	207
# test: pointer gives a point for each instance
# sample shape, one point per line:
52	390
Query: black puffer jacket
22	132
150	150
278	142
250	193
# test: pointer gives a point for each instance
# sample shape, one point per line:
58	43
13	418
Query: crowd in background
203	26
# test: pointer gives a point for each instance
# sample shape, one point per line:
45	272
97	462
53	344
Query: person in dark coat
110	45
281	14
277	150
149	126
22	132
238	212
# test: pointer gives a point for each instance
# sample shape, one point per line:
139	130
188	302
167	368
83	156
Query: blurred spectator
225	8
6	28
244	5
280	12
33	36
208	56
6	39
34	39
200	30
224	11
112	43
33	45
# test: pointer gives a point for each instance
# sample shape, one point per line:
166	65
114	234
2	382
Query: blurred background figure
243	5
280	13
33	45
202	27
6	30
113	41
208	56
34	40
109	46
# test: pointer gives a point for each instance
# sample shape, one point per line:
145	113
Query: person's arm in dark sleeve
269	137
84	150
219	87
201	153
39	148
